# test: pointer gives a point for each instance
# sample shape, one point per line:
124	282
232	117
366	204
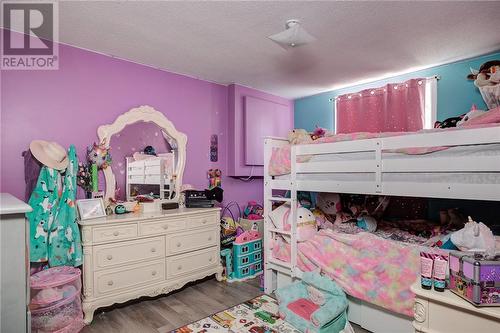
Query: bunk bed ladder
293	211
273	266
269	279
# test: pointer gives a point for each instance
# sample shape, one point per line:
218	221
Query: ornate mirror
149	155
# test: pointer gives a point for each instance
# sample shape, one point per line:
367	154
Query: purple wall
88	90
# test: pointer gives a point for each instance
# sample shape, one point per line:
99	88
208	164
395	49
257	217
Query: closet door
263	118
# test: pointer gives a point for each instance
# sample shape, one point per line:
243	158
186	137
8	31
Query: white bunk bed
470	169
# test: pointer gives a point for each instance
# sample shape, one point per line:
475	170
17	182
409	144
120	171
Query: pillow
277	216
490	117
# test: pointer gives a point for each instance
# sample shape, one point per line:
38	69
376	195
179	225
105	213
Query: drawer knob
209	238
109	257
153	249
116	233
204	222
210	259
179	267
110	283
179	244
165	227
153	273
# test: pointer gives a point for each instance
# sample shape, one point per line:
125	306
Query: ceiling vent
293	36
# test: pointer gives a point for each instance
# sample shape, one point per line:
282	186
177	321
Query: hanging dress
54	233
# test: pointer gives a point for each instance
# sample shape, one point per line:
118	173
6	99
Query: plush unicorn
99	154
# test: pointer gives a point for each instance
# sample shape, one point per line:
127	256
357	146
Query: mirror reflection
144	162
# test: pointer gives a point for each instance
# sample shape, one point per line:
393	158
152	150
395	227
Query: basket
55	300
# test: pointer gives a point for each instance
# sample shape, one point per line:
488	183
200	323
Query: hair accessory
50	154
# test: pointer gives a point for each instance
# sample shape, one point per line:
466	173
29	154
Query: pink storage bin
55	300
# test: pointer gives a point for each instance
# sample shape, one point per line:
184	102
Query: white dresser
14	287
133	255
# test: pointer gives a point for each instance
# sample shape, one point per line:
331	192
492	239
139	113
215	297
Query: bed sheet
376	269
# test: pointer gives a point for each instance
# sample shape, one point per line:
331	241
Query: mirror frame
143	113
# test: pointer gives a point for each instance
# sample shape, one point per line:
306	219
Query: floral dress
54	233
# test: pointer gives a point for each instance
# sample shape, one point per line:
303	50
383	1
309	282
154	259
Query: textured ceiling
226	42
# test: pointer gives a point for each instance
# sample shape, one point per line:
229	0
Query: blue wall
456	94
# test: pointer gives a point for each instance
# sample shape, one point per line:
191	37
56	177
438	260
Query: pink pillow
490	117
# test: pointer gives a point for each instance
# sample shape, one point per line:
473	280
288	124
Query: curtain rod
437	77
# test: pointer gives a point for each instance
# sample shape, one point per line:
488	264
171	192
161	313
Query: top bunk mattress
457	151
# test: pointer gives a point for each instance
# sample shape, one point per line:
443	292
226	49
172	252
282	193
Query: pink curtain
392	108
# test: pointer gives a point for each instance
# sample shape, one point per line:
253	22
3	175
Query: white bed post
378	167
269	280
293	206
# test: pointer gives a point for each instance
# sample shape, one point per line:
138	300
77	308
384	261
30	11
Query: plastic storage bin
55	300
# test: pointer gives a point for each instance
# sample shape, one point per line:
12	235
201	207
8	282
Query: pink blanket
280	157
366	266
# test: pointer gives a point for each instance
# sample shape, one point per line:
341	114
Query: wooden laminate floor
165	313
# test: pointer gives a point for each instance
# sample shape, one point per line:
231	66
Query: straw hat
50	154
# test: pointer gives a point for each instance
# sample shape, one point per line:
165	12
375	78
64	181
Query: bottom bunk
367	266
376	270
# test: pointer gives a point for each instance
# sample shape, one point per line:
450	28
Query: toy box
475	277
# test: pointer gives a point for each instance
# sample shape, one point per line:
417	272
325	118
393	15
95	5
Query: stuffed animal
473	113
449	122
474	237
299	136
98	154
487	80
150	150
367	223
321	220
487	75
306	222
330	204
318	133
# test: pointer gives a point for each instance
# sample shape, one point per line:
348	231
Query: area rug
259	315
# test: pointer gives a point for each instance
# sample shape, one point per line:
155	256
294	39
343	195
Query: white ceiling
226	42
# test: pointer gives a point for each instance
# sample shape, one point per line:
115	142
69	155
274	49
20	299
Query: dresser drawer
186	263
203	220
129	252
105	234
161	226
112	280
193	240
